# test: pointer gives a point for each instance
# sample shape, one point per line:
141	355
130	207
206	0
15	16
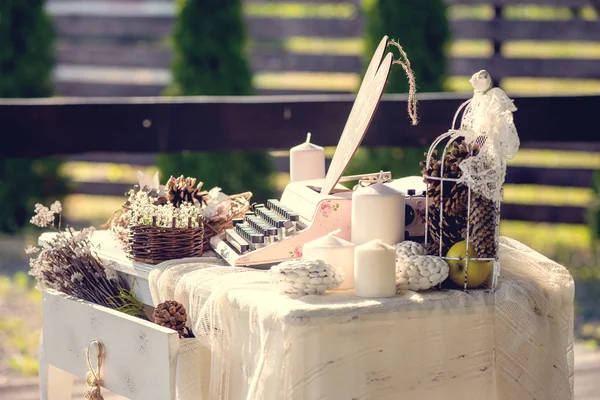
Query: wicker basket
153	244
237	205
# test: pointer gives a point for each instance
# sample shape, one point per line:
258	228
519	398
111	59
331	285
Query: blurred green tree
421	28
26	62
210	59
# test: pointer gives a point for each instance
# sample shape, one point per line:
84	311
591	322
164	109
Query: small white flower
56	207
43	216
32	250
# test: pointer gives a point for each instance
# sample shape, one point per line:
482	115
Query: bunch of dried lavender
68	263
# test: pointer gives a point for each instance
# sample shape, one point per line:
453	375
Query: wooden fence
151	125
120	48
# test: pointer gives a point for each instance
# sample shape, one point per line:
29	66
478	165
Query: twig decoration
412	85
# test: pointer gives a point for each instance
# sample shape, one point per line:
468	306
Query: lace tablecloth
255	343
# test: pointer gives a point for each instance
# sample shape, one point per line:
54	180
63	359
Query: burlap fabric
516	343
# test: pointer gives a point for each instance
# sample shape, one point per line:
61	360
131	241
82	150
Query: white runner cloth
255	343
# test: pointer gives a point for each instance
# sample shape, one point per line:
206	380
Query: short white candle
307	161
375	270
335	251
377	213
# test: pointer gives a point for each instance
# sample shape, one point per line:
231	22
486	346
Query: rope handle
92	389
404	62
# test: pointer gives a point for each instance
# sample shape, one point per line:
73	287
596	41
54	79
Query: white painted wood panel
140	357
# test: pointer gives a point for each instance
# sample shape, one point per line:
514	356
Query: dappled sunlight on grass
19	324
78	171
544	237
326	46
551	49
471	48
541	86
308	81
551	195
94	209
556	159
301	10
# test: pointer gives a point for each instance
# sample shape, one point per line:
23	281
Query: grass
19	324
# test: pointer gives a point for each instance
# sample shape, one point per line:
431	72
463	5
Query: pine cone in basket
183	189
171	314
482	225
455	195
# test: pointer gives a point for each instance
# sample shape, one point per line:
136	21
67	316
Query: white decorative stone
409	249
306	276
420	272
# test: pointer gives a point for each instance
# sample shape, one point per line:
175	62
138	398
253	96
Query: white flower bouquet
69	264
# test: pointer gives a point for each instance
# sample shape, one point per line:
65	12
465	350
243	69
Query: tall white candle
335	251
307	161
375	270
377	213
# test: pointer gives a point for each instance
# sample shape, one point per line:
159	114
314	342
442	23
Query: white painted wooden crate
140	357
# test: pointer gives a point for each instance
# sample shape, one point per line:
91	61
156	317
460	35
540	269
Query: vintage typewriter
276	231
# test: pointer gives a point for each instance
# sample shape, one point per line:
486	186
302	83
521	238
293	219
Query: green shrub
26	49
209	46
24	182
422	29
26	61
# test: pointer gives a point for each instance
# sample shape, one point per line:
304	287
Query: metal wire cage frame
452	135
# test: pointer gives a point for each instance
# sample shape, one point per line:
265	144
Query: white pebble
299	285
316	281
424	282
414	286
322	288
413	272
435	277
328	280
291	276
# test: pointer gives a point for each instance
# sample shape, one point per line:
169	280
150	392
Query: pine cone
455	195
171	314
454	228
482	223
182	190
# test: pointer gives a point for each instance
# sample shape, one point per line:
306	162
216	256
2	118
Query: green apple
478	271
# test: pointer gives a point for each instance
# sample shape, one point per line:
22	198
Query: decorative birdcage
464	186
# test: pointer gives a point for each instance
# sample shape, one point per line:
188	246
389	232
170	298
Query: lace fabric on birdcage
252	342
488	122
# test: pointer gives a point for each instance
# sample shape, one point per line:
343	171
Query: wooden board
534	67
504	30
140	360
158	56
361	114
69	126
158	27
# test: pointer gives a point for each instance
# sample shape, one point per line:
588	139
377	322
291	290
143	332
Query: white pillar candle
375	270
307	161
377	213
335	251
